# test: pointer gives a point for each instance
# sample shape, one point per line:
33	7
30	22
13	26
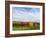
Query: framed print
24	18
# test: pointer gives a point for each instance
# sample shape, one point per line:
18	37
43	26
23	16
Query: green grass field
25	28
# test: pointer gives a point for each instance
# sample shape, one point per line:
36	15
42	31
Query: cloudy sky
26	14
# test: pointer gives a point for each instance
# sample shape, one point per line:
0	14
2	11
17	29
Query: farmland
25	26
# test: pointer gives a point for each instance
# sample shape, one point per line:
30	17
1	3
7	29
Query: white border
25	31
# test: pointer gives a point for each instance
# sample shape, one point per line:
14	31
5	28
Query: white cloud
26	17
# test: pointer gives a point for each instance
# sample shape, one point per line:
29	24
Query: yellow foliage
30	23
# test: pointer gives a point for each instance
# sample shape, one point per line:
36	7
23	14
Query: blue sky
25	14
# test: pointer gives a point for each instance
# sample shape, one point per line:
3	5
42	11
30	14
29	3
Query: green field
26	28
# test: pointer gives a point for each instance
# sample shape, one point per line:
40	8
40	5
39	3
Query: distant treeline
15	23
